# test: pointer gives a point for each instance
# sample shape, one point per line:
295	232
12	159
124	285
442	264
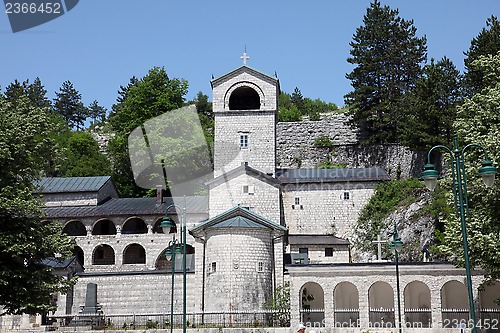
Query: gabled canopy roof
243	69
238	217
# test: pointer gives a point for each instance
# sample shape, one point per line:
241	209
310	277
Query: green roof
71	184
237	222
238	217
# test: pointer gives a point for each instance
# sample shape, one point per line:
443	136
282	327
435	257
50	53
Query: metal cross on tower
244	56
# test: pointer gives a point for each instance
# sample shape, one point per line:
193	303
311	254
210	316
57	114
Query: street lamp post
396	245
168	225
487	172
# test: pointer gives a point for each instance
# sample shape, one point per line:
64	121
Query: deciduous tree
26	284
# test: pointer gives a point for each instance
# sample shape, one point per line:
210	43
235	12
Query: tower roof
244	69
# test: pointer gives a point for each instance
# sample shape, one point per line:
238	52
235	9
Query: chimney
159	195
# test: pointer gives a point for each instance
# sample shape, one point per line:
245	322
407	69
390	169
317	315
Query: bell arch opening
244	98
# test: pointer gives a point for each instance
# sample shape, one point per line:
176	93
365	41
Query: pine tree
69	105
486	43
433	106
298	100
97	112
387	56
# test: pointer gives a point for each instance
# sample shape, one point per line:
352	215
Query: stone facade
240	267
296	148
248	190
256	122
325	208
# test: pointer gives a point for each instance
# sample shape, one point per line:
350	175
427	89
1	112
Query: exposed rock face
102	138
415	228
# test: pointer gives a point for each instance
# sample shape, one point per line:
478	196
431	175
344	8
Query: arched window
103	255
104	227
134	254
134	225
78	253
164	263
244	98
75	228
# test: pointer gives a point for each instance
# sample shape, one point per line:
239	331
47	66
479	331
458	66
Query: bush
323	141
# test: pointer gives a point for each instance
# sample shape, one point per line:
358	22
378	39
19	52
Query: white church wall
239	269
137	293
259	127
433	276
317	253
323	205
261	197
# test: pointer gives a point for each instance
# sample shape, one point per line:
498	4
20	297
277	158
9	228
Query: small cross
379	242
244	56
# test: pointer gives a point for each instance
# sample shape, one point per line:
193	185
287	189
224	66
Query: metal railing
313	317
347	318
454	315
418	318
262	318
381	317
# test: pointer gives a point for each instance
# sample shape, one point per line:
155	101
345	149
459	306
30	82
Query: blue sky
101	44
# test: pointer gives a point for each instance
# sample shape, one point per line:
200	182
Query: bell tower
245	104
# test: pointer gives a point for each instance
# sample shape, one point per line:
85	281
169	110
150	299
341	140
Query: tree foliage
387	56
432	111
478	121
83	158
68	104
97	112
487	42
140	100
293	107
280	303
26	284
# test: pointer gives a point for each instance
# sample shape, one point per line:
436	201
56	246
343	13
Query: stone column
294	303
364	306
329	306
436	304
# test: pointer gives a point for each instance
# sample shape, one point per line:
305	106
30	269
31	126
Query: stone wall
295	148
323	205
239	269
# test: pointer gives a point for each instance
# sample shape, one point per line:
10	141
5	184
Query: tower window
297	201
346	195
243	140
213	267
260	266
249	189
